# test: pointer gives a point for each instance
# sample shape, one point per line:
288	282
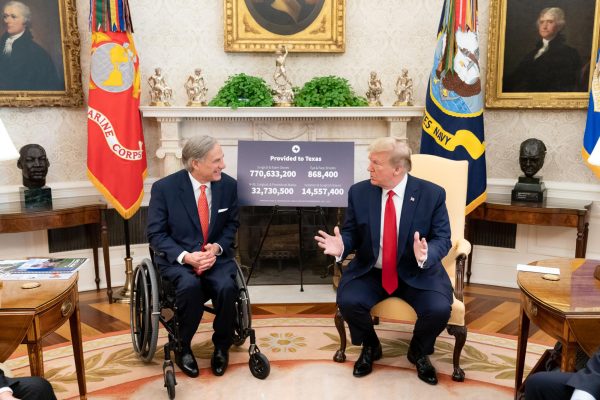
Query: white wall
382	35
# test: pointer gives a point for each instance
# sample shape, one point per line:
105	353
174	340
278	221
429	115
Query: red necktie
389	275
203	213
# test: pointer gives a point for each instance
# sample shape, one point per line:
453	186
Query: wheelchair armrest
154	252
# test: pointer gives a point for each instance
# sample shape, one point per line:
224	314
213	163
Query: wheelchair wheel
144	311
259	365
170	383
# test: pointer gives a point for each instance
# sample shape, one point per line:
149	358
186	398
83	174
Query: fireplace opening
278	262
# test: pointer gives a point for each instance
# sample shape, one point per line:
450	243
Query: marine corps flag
591	136
453	122
116	154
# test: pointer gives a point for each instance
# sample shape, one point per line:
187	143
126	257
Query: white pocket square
222	210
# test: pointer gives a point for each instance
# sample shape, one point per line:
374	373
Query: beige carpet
300	350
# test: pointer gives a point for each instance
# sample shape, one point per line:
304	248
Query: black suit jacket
588	378
423	210
174	224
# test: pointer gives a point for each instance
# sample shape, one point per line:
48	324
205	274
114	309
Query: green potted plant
243	90
328	91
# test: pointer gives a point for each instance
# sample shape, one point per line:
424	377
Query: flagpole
114	119
124	296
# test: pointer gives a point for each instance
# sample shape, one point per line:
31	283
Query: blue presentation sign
296	174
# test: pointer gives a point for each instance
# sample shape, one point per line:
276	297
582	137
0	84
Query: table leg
581	242
92	230
521	348
104	237
76	340
567	360
36	357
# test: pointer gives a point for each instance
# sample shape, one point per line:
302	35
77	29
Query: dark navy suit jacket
423	210
588	378
174	224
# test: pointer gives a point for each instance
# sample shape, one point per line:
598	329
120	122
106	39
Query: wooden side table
64	213
553	212
566	309
28	315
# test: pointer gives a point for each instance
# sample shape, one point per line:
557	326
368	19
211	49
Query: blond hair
399	151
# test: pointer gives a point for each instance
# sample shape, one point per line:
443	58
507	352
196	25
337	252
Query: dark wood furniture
566	309
64	213
28	315
552	212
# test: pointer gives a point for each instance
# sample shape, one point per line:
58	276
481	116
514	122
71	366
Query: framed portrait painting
39	54
302	25
541	53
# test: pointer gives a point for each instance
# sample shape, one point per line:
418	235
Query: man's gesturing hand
420	248
331	245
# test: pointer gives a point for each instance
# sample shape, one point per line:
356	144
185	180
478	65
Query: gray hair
557	13
196	148
25	10
399	151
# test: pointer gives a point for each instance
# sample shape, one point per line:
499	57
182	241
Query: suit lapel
375	217
409	205
189	200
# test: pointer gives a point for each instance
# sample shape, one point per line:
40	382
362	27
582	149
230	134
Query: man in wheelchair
192	222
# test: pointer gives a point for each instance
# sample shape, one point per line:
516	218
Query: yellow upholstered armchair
452	176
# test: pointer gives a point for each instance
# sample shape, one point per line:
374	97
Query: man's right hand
200	261
331	245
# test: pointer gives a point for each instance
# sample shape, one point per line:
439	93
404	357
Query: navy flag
591	136
453	122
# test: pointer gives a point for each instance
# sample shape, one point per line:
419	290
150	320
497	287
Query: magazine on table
40	268
50	265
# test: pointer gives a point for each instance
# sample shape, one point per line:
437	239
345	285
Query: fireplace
278	261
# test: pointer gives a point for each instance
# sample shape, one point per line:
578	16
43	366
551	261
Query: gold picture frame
54	43
316	26
514	43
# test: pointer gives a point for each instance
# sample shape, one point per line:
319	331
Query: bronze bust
531	156
33	162
531	159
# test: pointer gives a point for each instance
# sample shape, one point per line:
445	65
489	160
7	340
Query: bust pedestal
530	189
36	198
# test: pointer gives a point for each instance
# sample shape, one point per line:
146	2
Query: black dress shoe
187	364
425	370
219	361
364	365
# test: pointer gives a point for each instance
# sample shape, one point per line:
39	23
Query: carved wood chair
452	176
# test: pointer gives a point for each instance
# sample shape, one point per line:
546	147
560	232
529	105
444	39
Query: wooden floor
489	309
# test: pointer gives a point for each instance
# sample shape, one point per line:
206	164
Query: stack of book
40	268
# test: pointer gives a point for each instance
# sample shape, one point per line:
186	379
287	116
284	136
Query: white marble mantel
358	124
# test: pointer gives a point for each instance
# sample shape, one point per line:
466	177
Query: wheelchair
153	301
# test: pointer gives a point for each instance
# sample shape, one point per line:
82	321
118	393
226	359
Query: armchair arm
458	256
463	247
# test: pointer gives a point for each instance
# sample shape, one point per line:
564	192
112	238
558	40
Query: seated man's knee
188	288
348	302
439	311
35	388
